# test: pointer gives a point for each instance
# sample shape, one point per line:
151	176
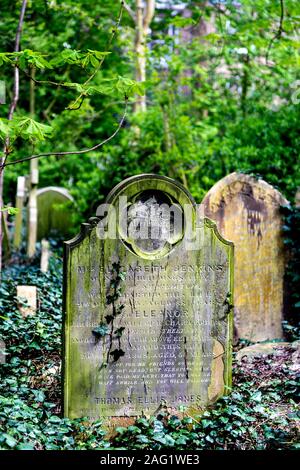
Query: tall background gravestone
147	322
247	212
54	205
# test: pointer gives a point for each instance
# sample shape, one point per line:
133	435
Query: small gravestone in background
54	206
45	255
247	212
20	198
147	321
27	300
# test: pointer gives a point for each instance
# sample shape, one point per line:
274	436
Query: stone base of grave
110	424
265	349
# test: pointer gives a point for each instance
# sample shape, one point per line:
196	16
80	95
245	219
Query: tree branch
114	32
129	11
220	9
149	13
278	33
75	152
62	84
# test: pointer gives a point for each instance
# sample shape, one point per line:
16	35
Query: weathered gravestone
147	320
54	212
45	255
247	211
27	296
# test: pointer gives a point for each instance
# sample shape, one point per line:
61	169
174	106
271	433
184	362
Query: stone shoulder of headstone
247	211
147	319
213	225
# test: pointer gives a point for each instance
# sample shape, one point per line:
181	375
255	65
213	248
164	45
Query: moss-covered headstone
247	211
147	309
55	207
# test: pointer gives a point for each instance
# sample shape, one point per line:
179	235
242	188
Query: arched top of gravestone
248	187
151	181
55	189
144	194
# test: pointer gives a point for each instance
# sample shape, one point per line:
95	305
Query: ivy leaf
257	396
119	331
101	330
10	441
25	446
117	353
109	319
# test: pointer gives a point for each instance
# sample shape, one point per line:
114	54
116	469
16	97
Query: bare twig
220	8
75	152
81	97
114	32
129	10
278	33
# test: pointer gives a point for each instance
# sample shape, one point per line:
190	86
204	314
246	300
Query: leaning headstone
147	306
27	300
247	212
54	214
20	197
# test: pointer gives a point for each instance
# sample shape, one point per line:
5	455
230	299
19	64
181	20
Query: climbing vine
107	328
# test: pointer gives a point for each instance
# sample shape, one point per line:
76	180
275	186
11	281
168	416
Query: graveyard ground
259	413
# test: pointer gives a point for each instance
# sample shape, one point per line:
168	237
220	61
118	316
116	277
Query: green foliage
214	104
260	412
10	210
25	128
246	419
30	377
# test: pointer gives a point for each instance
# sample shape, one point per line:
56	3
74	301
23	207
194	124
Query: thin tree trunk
143	17
34	179
12	108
